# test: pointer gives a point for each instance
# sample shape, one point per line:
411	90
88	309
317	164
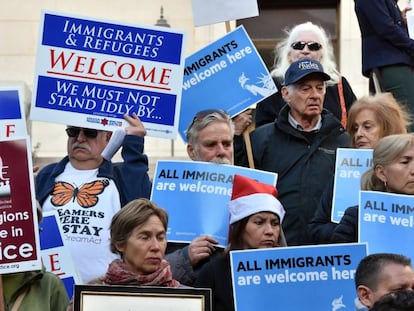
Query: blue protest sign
349	167
386	222
91	72
195	195
228	74
12	118
296	278
55	255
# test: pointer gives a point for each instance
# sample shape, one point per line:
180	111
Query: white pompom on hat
250	197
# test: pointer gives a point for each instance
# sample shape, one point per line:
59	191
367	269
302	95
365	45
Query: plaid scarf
118	274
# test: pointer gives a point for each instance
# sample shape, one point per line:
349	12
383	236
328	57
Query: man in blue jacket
86	190
387	49
299	146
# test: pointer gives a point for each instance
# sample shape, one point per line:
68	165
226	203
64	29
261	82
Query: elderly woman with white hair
307	40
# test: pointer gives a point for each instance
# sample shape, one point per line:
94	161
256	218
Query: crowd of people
117	236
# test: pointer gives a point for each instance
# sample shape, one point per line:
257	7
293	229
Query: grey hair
200	123
387	150
282	50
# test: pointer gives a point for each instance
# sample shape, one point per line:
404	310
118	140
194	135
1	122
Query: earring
385	184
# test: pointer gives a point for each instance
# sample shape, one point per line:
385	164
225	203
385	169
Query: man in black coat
300	146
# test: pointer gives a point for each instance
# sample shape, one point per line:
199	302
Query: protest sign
90	72
228	74
322	276
410	23
55	255
12	117
386	222
19	234
195	195
216	11
349	167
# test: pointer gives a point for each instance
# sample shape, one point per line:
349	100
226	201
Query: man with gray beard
86	190
209	139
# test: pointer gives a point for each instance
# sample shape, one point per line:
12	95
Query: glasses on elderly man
74	132
312	46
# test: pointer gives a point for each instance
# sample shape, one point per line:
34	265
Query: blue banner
296	278
349	167
113	39
9	105
228	74
100	102
386	222
195	195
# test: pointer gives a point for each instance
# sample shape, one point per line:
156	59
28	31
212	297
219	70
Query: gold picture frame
148	298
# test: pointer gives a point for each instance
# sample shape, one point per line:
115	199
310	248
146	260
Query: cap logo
306	65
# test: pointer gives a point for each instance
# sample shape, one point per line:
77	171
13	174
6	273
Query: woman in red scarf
138	234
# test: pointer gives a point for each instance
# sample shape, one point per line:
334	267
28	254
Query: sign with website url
90	72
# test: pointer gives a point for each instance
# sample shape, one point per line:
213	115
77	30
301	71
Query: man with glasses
86	190
299	146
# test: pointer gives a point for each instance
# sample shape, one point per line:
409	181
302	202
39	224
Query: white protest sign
216	11
91	72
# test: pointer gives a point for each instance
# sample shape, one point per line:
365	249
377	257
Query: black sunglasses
312	46
74	132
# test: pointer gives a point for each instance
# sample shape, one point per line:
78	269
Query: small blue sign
386	222
195	195
349	167
296	278
228	74
10	105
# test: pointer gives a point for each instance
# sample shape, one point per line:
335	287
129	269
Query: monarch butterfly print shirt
85	205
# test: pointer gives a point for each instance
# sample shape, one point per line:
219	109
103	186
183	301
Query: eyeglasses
312	46
74	132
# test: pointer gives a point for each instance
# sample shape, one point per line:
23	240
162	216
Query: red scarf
118	274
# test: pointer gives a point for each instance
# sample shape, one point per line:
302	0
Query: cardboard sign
91	72
349	167
216	11
228	74
12	118
323	275
19	233
386	222
55	255
195	195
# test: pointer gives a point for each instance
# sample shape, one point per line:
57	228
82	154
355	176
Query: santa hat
250	197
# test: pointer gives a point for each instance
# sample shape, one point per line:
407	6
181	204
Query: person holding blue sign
370	118
307	40
392	171
380	274
300	146
255	222
209	139
87	190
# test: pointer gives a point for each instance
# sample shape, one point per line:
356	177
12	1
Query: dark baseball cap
302	68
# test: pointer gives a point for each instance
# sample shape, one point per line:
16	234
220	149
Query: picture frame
149	298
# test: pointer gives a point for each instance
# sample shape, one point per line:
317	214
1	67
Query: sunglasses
312	46
74	132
